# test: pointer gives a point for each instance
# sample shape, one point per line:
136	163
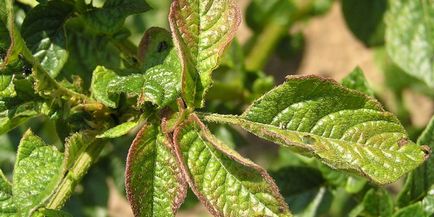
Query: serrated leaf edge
205	133
182	193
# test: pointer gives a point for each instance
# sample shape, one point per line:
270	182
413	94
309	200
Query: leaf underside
225	182
154	183
201	31
344	128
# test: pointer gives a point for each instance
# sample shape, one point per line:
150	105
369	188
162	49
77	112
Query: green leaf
201	31
376	202
159	85
225	182
420	180
319	202
365	19
356	80
410	37
411	211
4	39
420	208
394	77
155	46
94	199
11	117
154	183
82	56
345	129
42	29
3	11
428	202
15	42
161	81
119	130
99	87
308	178
7	88
355	184
261	13
54	213
111	16
305	194
37	172
7	206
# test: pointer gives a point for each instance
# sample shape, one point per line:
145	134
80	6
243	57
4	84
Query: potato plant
160	119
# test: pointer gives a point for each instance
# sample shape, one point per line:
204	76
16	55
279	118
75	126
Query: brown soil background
331	50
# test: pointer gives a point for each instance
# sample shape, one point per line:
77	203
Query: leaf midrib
154	165
237	120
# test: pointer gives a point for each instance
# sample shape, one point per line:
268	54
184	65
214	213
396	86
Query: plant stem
402	111
45	83
266	41
264	46
127	47
75	174
226	92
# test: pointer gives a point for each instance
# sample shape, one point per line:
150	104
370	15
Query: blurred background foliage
277	38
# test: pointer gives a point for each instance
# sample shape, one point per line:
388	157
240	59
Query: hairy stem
218	118
75	174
